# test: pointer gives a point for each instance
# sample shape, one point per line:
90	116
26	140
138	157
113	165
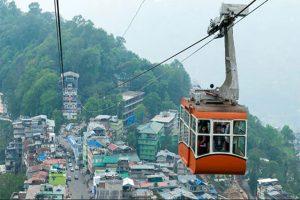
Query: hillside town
113	157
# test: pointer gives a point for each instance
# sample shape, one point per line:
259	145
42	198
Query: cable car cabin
213	126
213	137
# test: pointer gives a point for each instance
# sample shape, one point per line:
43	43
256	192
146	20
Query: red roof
112	147
53	161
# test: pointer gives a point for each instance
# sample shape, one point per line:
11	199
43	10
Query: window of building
221	144
203	145
193	123
193	142
239	127
221	128
203	126
239	145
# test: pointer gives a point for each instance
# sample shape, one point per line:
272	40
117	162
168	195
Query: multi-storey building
168	119
2	105
71	104
33	139
149	135
131	99
269	188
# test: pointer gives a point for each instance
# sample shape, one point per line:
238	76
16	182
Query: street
77	188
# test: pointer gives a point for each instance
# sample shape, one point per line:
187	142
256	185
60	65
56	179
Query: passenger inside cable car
203	145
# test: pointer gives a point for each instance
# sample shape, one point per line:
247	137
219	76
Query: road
77	188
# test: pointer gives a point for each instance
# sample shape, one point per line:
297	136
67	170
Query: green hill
29	70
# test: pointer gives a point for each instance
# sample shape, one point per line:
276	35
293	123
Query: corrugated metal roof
151	127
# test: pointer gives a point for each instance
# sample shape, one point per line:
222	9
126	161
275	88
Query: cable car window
186	134
181	112
181	131
221	144
239	145
193	142
221	128
203	145
186	117
193	123
239	127
203	126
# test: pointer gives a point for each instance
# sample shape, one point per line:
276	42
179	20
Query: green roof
110	159
124	174
151	127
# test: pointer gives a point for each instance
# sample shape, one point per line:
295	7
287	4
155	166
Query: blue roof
94	144
42	156
199	181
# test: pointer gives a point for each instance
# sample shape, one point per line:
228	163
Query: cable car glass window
221	128
204	126
203	145
181	131
239	127
193	123
221	144
186	117
186	134
193	142
239	145
181	112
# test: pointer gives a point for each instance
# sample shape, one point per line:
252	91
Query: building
269	188
34	140
3	110
109	189
141	171
71	104
48	191
131	99
165	156
168	119
76	146
177	193
148	138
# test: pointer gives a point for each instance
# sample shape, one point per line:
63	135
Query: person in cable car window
204	129
203	145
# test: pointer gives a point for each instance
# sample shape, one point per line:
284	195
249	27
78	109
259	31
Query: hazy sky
267	45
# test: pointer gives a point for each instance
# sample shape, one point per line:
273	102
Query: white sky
267	45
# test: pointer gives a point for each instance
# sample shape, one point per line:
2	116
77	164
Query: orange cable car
213	126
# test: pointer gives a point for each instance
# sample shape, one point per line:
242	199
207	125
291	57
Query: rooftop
131	94
164	117
151	127
213	107
69	73
267	180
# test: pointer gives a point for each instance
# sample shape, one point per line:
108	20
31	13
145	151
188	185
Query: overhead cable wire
183	50
134	16
59	40
151	81
194	52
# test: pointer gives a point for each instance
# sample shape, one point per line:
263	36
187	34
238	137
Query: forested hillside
29	77
29	70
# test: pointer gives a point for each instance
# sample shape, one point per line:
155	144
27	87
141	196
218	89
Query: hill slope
29	70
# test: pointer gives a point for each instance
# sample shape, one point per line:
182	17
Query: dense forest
29	70
29	77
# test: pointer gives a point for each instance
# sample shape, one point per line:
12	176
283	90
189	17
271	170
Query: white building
131	99
71	105
168	119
